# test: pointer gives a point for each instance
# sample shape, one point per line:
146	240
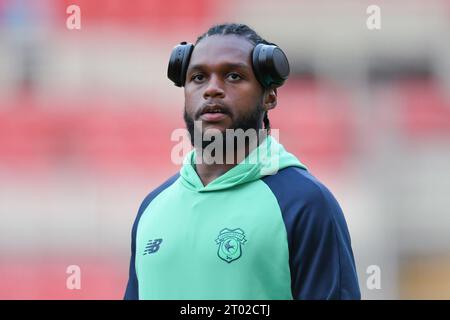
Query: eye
233	76
198	77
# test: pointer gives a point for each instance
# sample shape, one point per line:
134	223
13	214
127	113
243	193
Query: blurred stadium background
86	117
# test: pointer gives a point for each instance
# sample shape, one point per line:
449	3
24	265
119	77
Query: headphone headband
270	64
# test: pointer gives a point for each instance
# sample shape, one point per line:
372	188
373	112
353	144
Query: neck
208	169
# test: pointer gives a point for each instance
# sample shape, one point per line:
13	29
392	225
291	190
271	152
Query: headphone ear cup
270	65
179	62
257	65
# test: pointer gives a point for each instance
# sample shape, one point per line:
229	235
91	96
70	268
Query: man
239	229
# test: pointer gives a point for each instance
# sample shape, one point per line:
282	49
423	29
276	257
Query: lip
208	115
213	117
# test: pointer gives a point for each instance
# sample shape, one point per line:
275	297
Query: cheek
246	101
189	101
193	92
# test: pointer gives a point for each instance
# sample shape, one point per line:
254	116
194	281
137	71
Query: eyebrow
228	65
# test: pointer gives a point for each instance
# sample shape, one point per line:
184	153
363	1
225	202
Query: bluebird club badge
230	242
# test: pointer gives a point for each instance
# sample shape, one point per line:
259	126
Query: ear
270	99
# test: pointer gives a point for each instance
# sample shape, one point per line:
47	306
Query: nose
214	88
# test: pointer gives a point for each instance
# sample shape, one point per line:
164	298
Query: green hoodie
237	237
269	157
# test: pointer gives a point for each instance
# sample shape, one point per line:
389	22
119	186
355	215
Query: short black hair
241	30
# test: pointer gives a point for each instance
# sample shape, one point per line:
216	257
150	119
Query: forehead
218	49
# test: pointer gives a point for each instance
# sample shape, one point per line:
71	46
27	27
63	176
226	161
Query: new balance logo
152	246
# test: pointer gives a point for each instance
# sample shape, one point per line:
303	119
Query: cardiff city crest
230	241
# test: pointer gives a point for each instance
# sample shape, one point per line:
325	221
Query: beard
253	120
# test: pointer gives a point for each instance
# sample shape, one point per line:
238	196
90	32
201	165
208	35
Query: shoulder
294	185
155	192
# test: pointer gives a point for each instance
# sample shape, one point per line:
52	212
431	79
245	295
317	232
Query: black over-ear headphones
270	64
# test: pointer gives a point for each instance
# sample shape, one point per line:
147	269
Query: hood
267	159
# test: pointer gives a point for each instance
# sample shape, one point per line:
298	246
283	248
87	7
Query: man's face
220	78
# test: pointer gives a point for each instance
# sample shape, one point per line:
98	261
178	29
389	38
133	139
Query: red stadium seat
315	122
45	278
111	142
425	110
160	15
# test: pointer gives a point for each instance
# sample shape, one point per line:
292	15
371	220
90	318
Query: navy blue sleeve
320	254
132	290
